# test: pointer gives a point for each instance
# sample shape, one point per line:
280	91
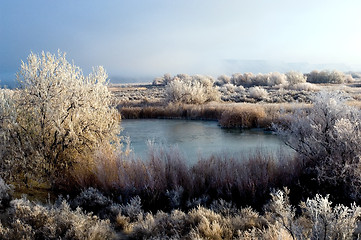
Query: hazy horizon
146	39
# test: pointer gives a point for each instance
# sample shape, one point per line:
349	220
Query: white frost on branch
56	118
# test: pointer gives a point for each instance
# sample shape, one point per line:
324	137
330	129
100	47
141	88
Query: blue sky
144	39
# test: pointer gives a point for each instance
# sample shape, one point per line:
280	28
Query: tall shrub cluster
328	138
250	79
335	77
195	89
56	120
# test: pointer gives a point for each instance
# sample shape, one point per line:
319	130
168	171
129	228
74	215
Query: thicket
246	87
238	82
318	219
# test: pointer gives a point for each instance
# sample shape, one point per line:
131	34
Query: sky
143	39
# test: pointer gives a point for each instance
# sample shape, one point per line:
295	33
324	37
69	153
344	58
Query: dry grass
165	181
243	117
356	104
185	111
229	115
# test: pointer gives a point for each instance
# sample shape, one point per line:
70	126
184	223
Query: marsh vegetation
60	132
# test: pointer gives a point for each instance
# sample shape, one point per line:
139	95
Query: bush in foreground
318	218
56	120
327	137
36	221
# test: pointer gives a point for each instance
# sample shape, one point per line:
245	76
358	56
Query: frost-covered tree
328	138
57	118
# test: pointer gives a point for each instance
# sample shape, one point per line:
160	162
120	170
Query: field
61	147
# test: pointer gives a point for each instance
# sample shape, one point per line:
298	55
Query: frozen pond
199	138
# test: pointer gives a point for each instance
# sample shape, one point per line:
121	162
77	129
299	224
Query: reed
165	180
229	115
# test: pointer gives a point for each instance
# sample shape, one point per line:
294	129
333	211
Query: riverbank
149	101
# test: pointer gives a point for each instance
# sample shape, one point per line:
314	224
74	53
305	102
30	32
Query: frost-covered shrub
91	197
57	118
334	77
8	123
209	225
239	89
276	78
354	75
192	90
294	78
306	86
232	92
242	79
258	92
250	79
175	197
35	221
198	201
319	220
163	80
133	209
228	88
224	208
222	80
161	225
92	200
328	138
338	222
260	80
281	214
